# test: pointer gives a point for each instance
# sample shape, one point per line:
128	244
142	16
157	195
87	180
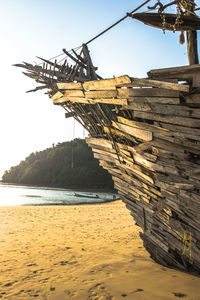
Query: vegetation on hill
69	165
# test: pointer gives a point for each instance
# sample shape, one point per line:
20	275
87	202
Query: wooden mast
192	47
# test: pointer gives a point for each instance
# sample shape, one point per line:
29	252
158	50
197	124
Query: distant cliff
68	164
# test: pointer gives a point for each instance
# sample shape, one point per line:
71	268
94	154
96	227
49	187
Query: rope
107	29
70	51
119	21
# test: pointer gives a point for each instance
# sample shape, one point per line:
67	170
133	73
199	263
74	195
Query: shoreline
97	190
82	252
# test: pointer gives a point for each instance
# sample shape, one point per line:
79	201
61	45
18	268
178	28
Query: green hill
68	165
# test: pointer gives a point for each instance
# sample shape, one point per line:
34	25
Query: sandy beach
82	252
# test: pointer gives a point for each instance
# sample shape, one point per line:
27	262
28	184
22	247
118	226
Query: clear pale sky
30	122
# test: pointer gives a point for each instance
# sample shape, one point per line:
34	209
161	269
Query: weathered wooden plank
168	119
162	100
192	99
165	109
142	147
119	133
101	94
137	171
78	99
69	86
73	93
180	129
138	133
73	100
174	72
146	92
143	125
99	142
191	146
106	83
112	101
104	157
111	152
161	84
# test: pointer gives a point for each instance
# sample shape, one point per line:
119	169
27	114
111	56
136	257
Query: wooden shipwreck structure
146	134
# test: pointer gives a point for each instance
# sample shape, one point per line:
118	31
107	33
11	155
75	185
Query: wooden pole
192	47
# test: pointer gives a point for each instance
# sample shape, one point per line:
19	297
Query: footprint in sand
99	291
138	290
70	293
179	295
9	283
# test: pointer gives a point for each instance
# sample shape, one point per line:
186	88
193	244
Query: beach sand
82	252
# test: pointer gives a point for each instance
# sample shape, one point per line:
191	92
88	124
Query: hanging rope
72	165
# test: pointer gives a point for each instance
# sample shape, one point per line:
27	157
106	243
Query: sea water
14	195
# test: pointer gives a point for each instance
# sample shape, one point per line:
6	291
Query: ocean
14	195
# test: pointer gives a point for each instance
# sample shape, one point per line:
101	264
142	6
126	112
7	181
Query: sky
30	122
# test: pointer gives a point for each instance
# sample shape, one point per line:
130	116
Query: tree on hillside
69	164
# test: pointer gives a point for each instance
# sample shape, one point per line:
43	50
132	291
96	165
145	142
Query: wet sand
83	252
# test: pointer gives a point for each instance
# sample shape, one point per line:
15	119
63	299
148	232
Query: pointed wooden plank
138	133
69	85
106	83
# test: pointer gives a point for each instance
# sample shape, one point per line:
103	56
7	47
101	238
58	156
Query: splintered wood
146	134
